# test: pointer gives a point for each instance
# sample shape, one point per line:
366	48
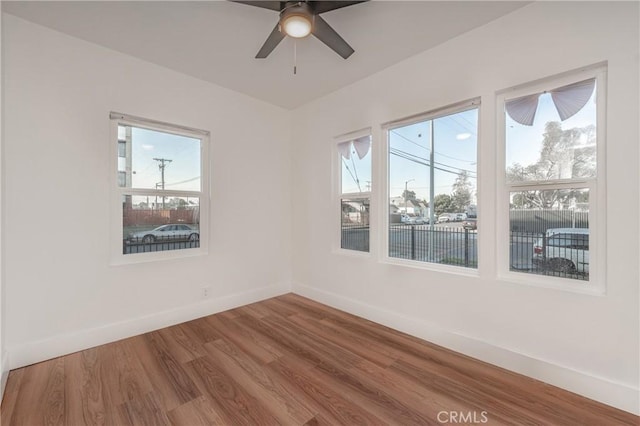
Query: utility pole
405	194
163	163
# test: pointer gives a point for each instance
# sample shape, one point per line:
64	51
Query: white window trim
115	208
383	190
338	195
597	189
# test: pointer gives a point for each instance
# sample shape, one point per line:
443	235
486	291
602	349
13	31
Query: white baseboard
615	394
41	350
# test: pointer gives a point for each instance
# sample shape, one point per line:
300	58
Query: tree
461	195
564	154
442	204
408	195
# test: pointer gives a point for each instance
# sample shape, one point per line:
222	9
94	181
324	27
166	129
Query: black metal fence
355	237
563	254
158	244
453	246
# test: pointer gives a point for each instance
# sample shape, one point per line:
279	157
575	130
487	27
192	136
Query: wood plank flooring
289	361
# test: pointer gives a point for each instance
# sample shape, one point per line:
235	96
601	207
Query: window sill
433	267
160	256
562	284
351	253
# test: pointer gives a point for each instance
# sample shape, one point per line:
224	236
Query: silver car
566	250
171	232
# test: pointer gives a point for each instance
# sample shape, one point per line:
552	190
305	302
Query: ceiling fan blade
330	37
326	6
271	5
272	41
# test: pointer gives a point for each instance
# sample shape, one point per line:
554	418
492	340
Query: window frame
596	285
466	105
338	195
117	257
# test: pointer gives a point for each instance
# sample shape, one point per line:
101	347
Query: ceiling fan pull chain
295	57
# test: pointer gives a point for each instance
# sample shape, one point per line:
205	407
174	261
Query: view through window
433	189
551	147
355	192
159	179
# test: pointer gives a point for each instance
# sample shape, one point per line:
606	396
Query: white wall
63	294
588	344
4	368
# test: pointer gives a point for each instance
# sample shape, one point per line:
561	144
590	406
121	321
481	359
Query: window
160	194
354	155
432	187
553	145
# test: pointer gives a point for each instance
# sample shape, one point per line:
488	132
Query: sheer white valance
360	145
568	100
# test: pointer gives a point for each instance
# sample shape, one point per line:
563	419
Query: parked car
460	217
411	218
171	232
470	223
566	250
445	217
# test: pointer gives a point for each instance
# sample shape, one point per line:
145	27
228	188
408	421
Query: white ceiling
216	41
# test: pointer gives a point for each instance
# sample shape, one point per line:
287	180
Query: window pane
159	160
445	179
355	224
151	223
550	148
550	232
355	171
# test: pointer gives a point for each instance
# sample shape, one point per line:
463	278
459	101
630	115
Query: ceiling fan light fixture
296	21
296	26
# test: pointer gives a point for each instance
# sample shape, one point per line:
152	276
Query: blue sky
455	150
182	173
524	142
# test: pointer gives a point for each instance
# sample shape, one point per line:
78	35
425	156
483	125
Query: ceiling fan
299	19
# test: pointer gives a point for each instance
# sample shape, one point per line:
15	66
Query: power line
436	153
349	170
409	140
424	161
183	181
355	172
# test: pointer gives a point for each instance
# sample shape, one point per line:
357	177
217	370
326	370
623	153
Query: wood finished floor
286	360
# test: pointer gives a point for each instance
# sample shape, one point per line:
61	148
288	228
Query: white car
445	217
460	217
566	250
411	219
171	232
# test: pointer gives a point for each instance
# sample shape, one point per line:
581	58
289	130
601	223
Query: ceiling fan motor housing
296	19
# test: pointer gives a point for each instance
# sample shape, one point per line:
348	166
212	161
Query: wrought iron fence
560	253
146	245
454	246
355	237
